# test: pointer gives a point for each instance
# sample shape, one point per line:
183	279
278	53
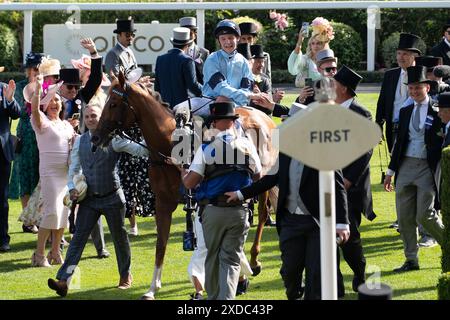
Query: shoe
103	254
59	286
55	259
357	281
407	266
197	296
125	283
29	229
133	231
39	261
242	287
5	248
427	242
270	222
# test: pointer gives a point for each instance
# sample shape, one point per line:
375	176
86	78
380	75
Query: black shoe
242	287
357	281
270	222
407	266
103	254
197	296
5	248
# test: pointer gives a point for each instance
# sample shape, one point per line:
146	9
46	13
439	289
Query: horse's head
117	113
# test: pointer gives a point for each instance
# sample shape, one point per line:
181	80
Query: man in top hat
442	49
226	74
198	54
225	225
415	163
431	63
9	110
356	181
121	54
75	97
175	77
443	108
298	220
249	34
394	91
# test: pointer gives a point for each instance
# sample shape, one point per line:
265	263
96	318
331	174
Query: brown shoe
59	286
125	282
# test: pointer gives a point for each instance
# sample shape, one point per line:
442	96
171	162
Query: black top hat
125	25
70	76
248	28
443	100
409	42
222	110
33	59
257	51
417	74
428	61
446	26
348	78
244	49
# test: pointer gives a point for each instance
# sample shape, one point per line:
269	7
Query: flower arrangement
280	19
322	29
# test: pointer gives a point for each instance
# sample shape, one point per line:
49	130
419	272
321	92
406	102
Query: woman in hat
27	159
53	136
304	65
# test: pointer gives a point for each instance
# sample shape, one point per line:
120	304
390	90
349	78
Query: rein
120	131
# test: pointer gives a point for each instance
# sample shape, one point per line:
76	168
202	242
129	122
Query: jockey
227	73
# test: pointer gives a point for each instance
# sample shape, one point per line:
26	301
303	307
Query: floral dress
133	174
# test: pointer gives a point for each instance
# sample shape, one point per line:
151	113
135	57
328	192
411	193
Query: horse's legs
263	212
163	221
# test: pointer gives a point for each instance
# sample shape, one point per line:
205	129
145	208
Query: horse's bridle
119	125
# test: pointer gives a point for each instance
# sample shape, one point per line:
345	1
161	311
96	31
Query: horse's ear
122	79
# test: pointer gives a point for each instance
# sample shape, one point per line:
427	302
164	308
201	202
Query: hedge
444	287
445	208
9	48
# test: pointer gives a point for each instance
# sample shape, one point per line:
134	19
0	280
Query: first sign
328	136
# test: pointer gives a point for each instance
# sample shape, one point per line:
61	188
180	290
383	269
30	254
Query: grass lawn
98	278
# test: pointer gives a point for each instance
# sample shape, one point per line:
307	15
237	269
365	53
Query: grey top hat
181	36
188	22
324	56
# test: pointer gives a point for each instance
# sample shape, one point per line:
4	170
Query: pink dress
53	142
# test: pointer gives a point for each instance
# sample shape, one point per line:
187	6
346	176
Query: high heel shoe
55	258
39	261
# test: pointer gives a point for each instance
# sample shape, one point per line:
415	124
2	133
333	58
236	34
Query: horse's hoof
148	296
256	270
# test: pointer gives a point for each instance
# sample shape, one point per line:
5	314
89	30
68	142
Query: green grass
383	249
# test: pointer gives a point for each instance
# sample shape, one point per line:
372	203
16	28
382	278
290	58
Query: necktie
416	119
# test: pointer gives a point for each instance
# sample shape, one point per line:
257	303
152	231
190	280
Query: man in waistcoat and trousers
104	196
415	162
443	108
229	162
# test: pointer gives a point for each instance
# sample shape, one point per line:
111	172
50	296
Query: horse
130	103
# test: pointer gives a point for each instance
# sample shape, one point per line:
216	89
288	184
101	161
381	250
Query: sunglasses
71	86
329	69
129	35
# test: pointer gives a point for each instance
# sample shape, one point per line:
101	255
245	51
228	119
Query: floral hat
322	29
85	63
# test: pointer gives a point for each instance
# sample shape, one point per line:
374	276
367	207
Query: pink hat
48	93
85	63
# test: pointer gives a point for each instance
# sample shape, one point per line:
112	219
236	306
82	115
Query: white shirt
118	144
346	104
446	41
400	96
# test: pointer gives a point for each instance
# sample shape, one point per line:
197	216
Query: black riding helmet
227	27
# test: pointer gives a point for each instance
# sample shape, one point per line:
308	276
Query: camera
189	241
309	83
75	116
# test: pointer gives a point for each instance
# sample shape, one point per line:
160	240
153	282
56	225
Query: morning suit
359	197
175	77
442	50
117	57
385	104
199	55
8	110
84	95
417	178
299	234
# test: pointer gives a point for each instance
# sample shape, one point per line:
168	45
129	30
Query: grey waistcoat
99	167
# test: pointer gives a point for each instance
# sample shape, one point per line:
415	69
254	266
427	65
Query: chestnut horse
131	103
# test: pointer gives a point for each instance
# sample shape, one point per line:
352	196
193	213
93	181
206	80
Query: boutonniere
258	79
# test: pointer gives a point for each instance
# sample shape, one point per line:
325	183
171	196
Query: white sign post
328	137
